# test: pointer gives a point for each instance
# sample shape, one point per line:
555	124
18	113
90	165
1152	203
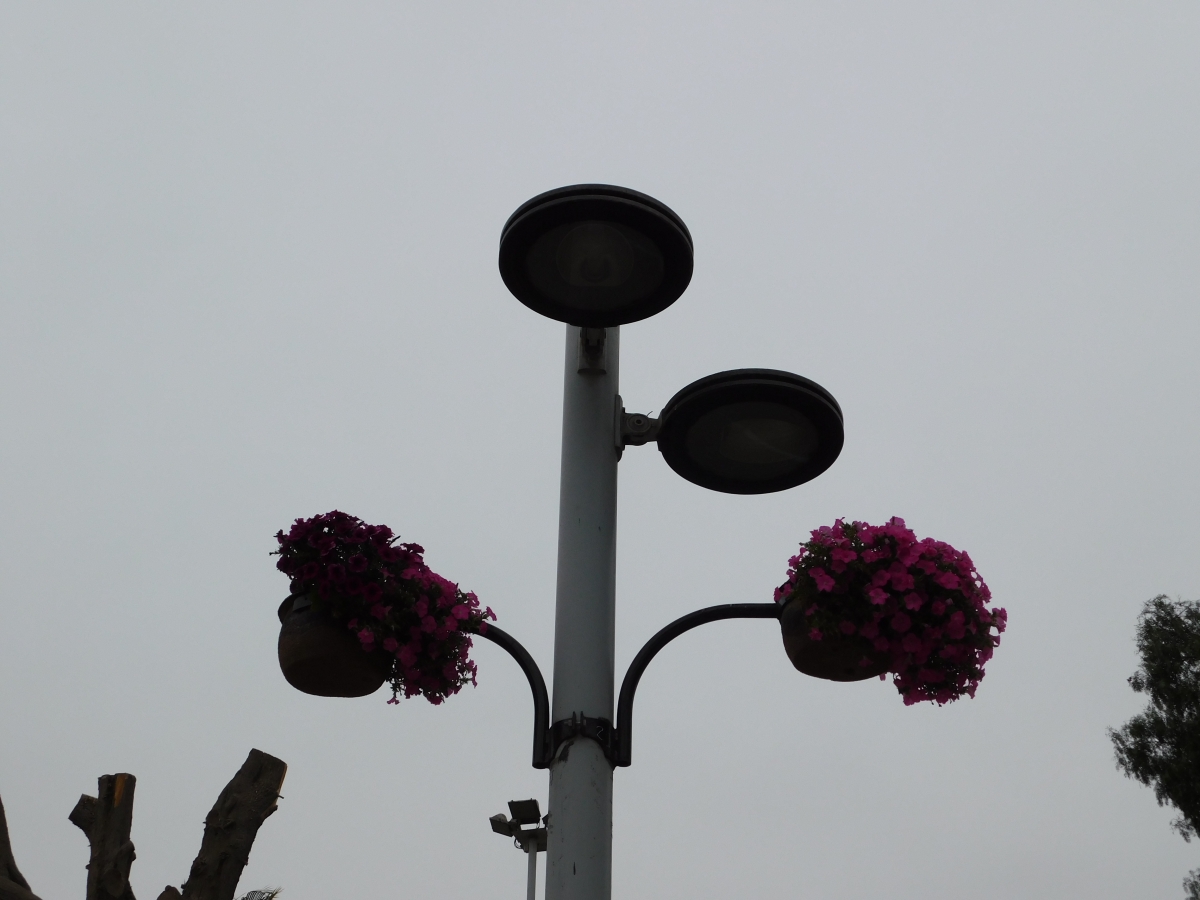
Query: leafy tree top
1160	747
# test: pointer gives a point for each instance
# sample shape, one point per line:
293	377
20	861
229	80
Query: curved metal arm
537	684
633	675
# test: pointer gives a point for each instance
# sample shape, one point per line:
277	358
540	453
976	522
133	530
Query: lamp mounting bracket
634	429
593	347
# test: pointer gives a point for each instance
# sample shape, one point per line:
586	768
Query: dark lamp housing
595	255
526	812
751	431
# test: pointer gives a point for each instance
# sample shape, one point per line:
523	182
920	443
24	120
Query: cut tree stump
229	832
106	819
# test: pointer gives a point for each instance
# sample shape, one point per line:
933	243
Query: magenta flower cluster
919	602
389	598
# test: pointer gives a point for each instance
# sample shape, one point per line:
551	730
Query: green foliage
1191	884
1160	747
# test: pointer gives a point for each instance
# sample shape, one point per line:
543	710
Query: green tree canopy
1160	747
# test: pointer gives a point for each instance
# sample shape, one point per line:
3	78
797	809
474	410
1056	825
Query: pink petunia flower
956	627
947	580
901	578
824	582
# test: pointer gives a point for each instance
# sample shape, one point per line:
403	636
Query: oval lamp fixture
751	431
595	255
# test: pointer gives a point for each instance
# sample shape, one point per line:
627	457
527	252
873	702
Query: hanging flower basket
863	600
365	609
320	656
835	657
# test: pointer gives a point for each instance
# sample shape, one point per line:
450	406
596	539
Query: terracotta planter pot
320	656
836	657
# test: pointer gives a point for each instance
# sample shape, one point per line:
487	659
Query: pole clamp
599	730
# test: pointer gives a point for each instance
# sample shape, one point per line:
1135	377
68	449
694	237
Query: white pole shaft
579	850
531	882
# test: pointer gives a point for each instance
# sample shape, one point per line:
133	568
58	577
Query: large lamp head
595	255
751	431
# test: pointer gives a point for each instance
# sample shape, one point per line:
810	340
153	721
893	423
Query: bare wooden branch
230	829
13	885
106	820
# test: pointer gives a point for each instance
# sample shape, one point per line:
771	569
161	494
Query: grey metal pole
579	849
531	881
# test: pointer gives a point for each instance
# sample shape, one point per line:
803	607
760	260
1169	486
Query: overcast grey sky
248	273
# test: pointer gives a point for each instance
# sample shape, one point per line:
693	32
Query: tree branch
13	885
230	829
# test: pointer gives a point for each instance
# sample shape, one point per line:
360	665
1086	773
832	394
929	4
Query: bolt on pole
579	851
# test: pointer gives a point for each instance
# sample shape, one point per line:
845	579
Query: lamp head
525	812
501	825
595	255
751	431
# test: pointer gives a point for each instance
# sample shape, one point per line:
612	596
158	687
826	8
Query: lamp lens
753	440
765	441
594	265
595	255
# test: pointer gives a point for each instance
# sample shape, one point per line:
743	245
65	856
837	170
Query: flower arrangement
918	603
389	598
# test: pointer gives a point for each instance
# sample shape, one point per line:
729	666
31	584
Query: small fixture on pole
529	840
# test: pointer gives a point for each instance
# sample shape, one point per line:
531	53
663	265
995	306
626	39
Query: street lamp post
579	842
597	257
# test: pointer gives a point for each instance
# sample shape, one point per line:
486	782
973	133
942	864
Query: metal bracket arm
542	749
620	754
616	742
